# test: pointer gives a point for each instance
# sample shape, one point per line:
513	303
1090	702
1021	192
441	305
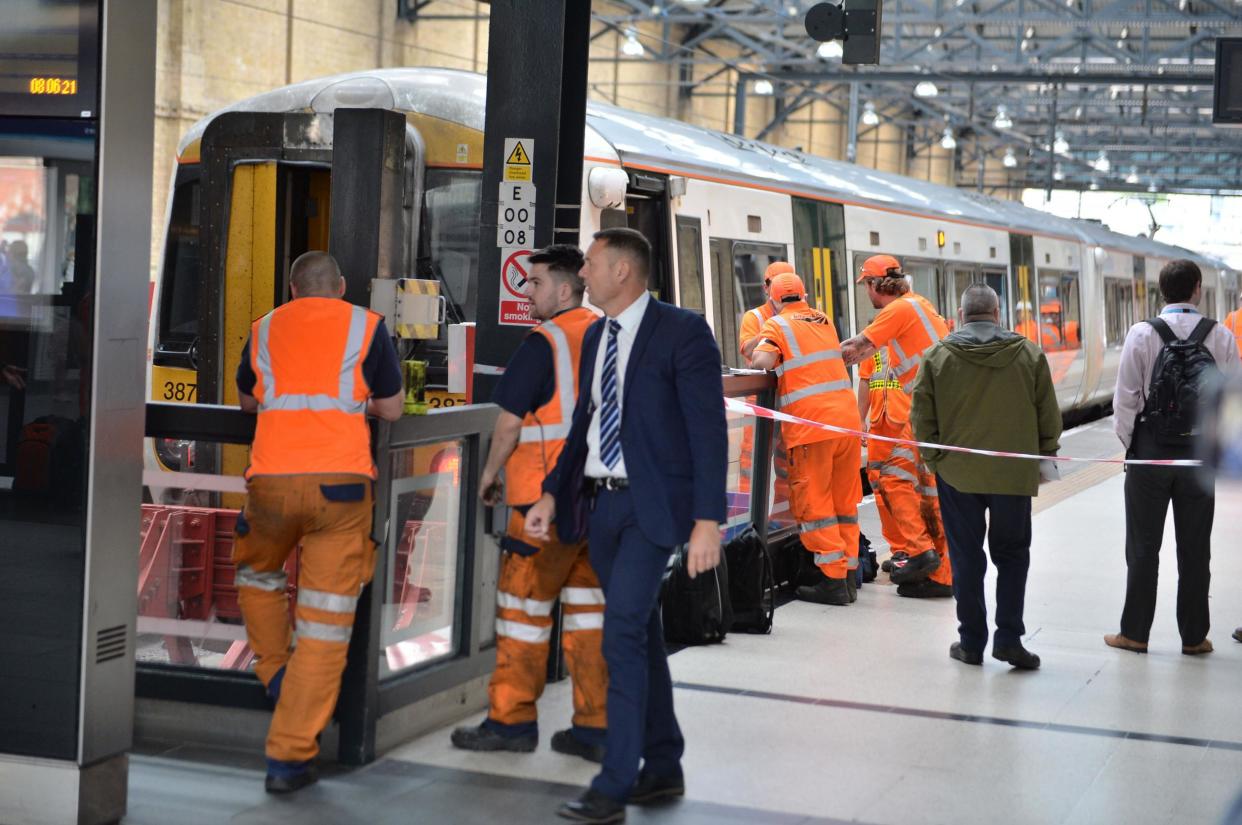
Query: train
717	209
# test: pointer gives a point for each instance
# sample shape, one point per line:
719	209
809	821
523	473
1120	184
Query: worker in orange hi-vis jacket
1233	323
801	346
907	326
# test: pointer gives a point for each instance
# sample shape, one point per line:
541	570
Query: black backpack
1183	372
695	611
752	586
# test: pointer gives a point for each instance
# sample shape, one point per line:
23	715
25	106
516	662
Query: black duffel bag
695	611
752	586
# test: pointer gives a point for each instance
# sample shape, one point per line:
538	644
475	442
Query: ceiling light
1124	32
631	46
1061	145
1009	161
1133	177
763	86
938	31
1026	44
1151	187
926	88
830	50
1058	174
1030	33
1095	185
1078	113
948	141
1002	121
1101	163
869	116
1121	44
695	2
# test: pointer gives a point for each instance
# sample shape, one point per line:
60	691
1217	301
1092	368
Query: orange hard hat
777	268
787	285
879	266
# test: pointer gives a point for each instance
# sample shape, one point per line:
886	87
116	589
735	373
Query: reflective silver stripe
758	315
531	607
820	524
929	491
582	595
582	621
324	632
792	340
814	389
314	403
247	576
353	352
932	335
829	558
902	452
523	632
897	472
263	357
874	465
564	388
851	564
813	358
331	602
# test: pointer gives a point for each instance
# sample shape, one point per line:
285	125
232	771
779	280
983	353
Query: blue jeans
641	722
1007	527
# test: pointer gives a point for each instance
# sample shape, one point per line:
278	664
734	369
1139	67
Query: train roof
646	140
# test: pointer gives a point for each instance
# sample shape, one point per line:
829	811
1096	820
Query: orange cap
785	285
778	268
877	266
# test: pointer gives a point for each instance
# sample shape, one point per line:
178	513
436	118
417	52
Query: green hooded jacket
986	387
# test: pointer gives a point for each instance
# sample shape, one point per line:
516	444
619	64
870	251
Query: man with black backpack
1165	365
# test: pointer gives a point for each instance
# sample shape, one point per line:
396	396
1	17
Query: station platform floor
856	714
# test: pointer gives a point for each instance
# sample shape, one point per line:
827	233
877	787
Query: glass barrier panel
740	471
780	517
423	557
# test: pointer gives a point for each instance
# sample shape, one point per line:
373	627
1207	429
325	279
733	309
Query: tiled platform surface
857	715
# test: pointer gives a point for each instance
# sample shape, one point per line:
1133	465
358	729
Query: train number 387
179	391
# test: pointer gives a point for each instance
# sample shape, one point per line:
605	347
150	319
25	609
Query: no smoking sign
514	270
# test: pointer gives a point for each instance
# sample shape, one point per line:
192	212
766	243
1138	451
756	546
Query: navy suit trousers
1006	522
641	722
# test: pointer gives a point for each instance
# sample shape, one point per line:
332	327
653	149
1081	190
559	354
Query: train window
996	280
1118	311
875	238
754	223
924	279
178	314
690	263
452	232
1059	310
750	260
1209	303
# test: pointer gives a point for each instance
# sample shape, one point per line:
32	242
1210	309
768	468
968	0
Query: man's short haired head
19	250
1178	281
774	269
629	245
565	262
979	303
787	288
316	274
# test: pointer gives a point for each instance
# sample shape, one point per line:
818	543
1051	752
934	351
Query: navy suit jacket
673	433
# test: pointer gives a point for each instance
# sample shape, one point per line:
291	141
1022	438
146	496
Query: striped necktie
610	410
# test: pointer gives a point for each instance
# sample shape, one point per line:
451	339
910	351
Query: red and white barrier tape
736	405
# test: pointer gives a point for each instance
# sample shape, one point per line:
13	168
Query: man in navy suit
646	455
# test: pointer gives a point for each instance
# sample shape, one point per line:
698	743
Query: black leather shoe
915	568
289	784
967	657
926	589
1237	635
593	807
651	788
851	586
828	591
564	741
1018	656
485	739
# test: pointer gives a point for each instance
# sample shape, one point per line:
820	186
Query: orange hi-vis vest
544	431
811	380
307	356
752	323
885	396
909	327
1233	323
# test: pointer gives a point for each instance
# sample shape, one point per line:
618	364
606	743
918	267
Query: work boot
828	591
967	657
484	738
926	589
851	586
567	742
1017	656
915	568
287	777
898	557
1237	635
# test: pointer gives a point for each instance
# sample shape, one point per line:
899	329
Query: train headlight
606	186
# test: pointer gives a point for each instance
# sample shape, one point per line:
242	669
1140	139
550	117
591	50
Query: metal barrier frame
763	386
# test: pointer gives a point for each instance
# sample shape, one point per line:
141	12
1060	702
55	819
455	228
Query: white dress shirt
630	319
1138	358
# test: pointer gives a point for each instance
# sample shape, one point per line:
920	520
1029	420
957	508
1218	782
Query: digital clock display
49	56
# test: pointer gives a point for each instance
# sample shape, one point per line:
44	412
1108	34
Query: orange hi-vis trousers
330	515
905	495
533	575
824	490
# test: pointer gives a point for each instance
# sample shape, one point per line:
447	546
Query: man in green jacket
986	387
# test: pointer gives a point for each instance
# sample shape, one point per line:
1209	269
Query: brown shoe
1204	646
1119	641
